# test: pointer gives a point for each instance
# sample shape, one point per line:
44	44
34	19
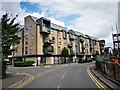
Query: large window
64	34
32	39
53	39
52	48
65	42
26	42
26	30
26	51
30	50
58	33
30	29
58	50
59	40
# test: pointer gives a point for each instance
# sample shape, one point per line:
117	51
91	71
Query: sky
93	17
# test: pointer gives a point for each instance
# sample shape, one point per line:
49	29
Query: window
65	41
52	48
30	29
64	34
53	39
95	42
26	40
52	32
58	50
58	33
32	39
26	51
87	51
26	30
59	40
30	50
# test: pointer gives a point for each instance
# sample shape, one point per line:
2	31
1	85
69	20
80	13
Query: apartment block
43	41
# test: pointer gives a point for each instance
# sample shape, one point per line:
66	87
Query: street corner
104	79
12	78
16	80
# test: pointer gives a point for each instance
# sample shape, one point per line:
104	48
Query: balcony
48	51
72	52
91	46
71	37
83	46
48	41
46	30
70	45
45	25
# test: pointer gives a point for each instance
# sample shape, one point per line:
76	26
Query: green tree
65	53
9	38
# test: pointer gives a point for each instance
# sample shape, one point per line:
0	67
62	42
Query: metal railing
111	69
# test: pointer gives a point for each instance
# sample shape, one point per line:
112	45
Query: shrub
19	64
23	63
28	63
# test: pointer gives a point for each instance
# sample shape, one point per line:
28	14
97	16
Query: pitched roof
55	26
34	18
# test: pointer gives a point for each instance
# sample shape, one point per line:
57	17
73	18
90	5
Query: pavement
111	84
11	79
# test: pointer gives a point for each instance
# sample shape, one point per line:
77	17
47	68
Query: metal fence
110	69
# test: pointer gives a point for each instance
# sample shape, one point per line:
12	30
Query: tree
9	38
65	53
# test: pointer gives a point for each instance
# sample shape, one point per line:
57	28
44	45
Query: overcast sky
92	17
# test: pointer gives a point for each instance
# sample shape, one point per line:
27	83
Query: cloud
15	8
94	17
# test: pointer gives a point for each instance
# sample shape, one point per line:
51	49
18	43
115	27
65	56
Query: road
64	76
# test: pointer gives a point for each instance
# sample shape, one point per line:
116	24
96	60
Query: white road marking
63	75
58	86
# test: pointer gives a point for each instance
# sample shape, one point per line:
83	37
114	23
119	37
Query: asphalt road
63	76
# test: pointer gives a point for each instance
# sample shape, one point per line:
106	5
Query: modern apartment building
43	41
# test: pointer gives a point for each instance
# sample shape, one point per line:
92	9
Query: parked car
89	60
81	60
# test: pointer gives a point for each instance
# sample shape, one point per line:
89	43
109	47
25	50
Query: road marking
31	77
63	75
23	82
95	80
58	86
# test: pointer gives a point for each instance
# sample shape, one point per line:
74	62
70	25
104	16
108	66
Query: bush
23	63
28	63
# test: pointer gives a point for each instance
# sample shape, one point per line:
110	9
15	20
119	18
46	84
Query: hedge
23	63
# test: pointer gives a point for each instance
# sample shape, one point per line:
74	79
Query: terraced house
43	41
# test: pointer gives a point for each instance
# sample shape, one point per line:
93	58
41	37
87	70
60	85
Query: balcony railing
91	47
72	37
48	41
72	52
47	51
46	30
70	45
83	46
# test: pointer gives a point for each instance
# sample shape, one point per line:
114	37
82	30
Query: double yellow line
23	82
95	80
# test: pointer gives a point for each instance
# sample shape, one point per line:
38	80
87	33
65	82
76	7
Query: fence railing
110	69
